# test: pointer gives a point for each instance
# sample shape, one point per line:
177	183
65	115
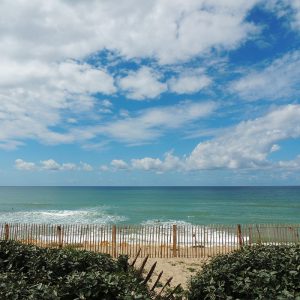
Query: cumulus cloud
248	144
275	148
33	99
142	84
86	167
167	30
146	163
290	164
188	83
107	103
105	106
51	165
244	146
119	164
20	164
170	162
278	80
44	46
68	167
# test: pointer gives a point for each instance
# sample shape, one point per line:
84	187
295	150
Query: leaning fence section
158	241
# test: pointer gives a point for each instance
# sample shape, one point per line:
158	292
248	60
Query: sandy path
181	269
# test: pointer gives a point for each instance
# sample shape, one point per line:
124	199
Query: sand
181	269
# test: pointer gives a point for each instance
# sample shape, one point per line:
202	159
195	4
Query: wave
165	223
189	234
96	215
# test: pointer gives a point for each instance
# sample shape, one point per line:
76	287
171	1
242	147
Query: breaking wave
97	215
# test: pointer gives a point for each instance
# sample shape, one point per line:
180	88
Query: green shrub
261	272
30	272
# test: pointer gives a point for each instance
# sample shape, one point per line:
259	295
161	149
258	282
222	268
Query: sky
153	92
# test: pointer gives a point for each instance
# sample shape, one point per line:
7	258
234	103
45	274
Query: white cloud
275	148
96	146
33	99
68	167
86	167
50	165
68	76
167	30
152	123
170	162
142	84
107	103
296	13
188	83
44	82
248	144
20	164
104	168
10	144
278	80
83	78
106	106
290	164
146	163
287	8
119	164
244	146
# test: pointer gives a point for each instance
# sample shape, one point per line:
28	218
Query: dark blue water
196	205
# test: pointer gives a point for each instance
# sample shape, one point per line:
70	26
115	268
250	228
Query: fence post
59	235
114	241
6	232
174	240
239	232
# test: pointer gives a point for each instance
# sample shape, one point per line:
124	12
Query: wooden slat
155	241
6	233
163	288
157	281
150	273
141	269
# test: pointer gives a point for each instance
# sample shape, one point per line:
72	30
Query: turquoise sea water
135	205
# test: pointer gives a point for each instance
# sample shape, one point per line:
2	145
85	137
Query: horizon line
147	186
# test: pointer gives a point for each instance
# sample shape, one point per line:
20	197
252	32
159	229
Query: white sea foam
63	213
187	234
165	222
97	215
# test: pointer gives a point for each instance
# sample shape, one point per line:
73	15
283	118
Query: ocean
150	205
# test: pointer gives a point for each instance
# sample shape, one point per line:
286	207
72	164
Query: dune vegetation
260	272
257	272
30	272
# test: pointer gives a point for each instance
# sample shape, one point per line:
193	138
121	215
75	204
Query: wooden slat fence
157	241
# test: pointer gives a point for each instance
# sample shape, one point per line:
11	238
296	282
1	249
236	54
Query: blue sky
163	92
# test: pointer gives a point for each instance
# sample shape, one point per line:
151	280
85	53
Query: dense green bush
262	272
30	272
